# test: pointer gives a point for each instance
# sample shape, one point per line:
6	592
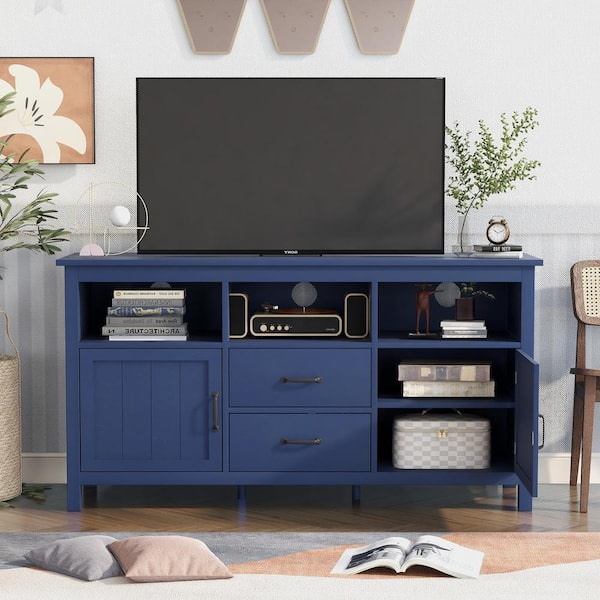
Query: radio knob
263	327
271	327
286	328
279	327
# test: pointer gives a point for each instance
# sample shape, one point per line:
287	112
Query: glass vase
462	246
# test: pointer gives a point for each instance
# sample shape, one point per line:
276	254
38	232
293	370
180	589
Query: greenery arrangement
483	167
468	290
26	227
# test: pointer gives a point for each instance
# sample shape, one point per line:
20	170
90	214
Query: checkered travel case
441	441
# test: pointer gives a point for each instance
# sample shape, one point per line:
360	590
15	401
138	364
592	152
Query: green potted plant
465	305
482	167
25	227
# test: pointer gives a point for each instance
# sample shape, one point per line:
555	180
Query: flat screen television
291	165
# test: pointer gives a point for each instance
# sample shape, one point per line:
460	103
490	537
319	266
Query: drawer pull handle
300	380
215	398
315	442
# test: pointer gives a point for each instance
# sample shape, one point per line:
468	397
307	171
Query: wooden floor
285	508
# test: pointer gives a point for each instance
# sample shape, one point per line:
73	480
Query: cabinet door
526	416
150	410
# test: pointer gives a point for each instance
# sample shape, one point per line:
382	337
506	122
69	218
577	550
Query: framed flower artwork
52	111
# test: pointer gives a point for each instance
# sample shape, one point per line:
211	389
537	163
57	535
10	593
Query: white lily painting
53	109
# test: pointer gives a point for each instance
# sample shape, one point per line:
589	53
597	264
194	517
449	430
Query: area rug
504	553
531	566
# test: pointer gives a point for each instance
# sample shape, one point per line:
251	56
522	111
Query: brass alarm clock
497	231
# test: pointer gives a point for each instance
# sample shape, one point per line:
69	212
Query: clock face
497	233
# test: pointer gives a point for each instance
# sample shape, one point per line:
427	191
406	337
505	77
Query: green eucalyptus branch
482	166
29	221
468	290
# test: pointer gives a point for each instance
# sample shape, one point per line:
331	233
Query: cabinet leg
241	493
524	500
74	496
356	494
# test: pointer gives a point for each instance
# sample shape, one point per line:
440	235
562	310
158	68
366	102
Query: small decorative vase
462	247
464	309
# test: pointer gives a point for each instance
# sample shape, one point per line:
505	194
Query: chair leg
589	399
576	439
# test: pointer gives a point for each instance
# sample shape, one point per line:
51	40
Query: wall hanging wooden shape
379	25
295	24
211	25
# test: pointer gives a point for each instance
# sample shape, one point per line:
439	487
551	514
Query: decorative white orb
120	216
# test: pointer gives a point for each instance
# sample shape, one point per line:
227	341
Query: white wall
496	57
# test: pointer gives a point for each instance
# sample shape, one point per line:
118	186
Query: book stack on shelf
444	377
146	315
452	329
498	251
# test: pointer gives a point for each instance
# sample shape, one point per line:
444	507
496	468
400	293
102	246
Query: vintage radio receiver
291	323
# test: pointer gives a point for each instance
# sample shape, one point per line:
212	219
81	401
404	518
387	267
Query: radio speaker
238	315
356	315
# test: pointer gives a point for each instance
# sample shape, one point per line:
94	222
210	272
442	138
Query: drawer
300	442
300	377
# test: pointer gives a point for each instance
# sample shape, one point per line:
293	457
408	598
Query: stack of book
463	329
146	315
446	378
498	251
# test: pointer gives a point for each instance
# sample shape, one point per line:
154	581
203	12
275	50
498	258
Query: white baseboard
555	467
52	468
47	467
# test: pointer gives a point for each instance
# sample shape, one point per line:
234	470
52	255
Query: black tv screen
291	165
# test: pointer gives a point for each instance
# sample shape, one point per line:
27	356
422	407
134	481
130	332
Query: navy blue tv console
217	409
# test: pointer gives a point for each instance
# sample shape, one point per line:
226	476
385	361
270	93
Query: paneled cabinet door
526	431
150	410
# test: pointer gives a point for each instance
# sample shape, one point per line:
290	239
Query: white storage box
441	441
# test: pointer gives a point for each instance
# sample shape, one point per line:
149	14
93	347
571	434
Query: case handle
215	398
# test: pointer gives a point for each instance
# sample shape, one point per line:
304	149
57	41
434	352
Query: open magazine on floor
399	554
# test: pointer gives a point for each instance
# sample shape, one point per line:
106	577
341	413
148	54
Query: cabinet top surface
331	260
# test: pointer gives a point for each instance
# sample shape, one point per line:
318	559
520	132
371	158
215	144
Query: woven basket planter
10	422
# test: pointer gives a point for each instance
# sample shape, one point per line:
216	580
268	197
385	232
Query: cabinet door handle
215	399
284	379
315	442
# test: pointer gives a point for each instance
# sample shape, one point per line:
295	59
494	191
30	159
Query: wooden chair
585	289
